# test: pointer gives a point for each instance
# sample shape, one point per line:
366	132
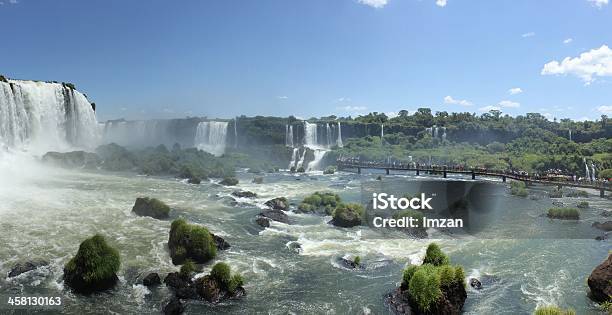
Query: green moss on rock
94	267
190	241
151	207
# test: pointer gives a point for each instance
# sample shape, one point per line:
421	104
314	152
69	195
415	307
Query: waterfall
211	136
382	132
328	134
289	135
318	156
294	156
443	133
593	177
435	131
236	132
310	134
429	130
339	142
45	116
570	134
586	165
301	161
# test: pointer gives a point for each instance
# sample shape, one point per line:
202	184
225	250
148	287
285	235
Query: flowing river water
46	212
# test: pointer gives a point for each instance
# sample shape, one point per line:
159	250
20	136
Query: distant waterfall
289	135
310	135
328	134
211	136
586	166
382	131
443	133
569	131
318	156
339	142
435	131
294	156
593	177
45	116
236	132
301	161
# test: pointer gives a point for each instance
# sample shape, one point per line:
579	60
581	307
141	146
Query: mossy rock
330	170
190	241
563	213
518	188
553	310
348	215
94	267
220	284
320	202
301	169
229	181
151	207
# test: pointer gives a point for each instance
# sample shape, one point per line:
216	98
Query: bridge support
504	178
444	173
473	175
387	170
359	170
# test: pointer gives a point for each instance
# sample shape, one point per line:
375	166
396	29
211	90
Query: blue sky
154	59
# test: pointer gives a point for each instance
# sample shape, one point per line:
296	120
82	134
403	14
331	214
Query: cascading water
586	166
569	131
289	135
435	131
382	131
300	163
328	134
339	142
593	177
310	135
443	133
236	132
211	137
294	156
43	116
318	156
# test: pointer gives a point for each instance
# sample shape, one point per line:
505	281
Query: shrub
320	201
564	213
190	241
408	273
229	181
235	282
222	273
94	263
348	215
435	256
329	170
583	205
424	287
607	173
518	188
460	275
187	268
553	310
357	260
447	275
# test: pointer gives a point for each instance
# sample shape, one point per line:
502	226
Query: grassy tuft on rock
94	266
564	213
553	310
190	241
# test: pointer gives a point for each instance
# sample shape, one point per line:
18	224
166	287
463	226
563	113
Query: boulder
229	181
347	215
20	268
194	180
606	226
174	307
151	279
94	267
600	281
181	285
263	222
475	283
275	215
220	242
190	241
279	203
244	194
213	291
151	207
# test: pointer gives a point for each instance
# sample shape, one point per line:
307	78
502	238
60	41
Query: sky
224	58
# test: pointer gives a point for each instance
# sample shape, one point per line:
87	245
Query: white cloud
594	63
282	97
488	108
449	100
548	116
598	3
510	104
343	99
529	34
514	91
568	40
350	108
441	3
13	1
374	3
605	109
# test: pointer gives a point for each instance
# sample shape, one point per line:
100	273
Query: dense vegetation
564	213
324	202
553	310
190	241
94	266
425	283
518	188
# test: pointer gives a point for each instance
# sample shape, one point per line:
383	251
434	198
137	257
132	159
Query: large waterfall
43	116
289	135
339	142
211	136
310	135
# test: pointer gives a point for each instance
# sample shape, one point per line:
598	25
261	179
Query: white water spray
211	136
339	141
